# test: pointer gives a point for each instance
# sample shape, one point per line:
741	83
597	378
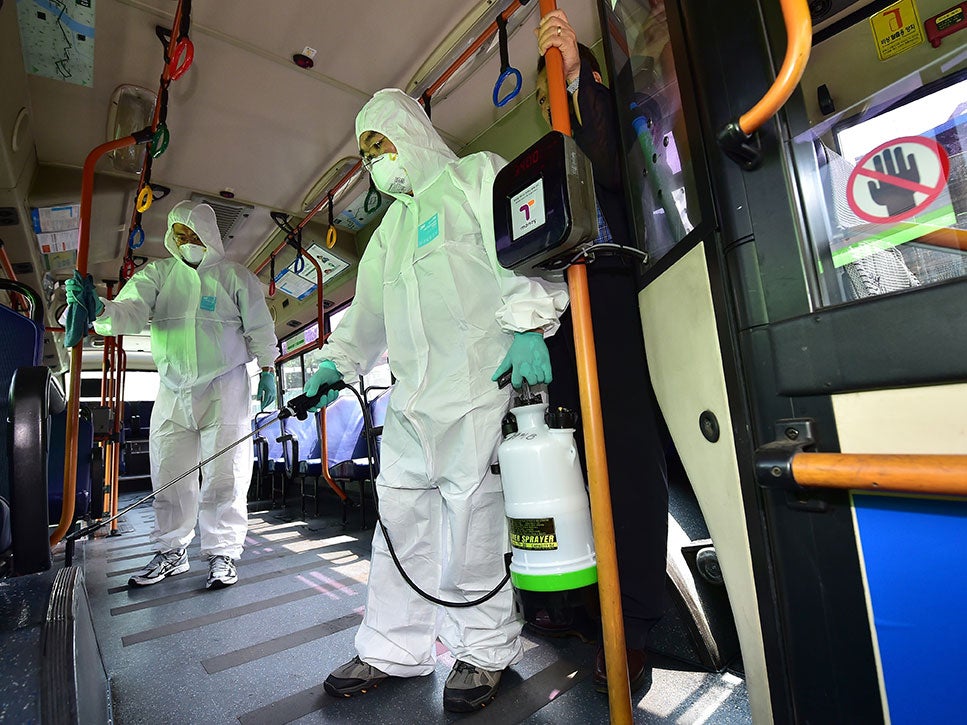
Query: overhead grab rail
786	464
179	52
738	139
425	99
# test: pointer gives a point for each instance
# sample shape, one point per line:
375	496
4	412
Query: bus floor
259	651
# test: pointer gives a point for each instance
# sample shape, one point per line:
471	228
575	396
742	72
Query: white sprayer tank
547	506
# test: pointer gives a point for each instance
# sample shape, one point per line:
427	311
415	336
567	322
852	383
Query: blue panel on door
913	550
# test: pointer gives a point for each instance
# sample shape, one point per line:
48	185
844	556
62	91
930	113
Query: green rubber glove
527	359
325	375
83	308
266	390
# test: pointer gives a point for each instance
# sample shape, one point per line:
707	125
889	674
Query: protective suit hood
402	120
200	218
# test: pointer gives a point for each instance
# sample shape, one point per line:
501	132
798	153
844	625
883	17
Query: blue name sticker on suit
208	303
428	231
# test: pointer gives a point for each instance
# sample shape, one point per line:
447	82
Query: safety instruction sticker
527	210
898	179
896	29
56	227
532	534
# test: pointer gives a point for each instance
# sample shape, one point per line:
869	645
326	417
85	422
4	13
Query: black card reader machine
544	206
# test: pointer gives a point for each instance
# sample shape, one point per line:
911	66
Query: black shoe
353	678
639	671
470	688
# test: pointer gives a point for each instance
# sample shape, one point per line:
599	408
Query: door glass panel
661	178
892	187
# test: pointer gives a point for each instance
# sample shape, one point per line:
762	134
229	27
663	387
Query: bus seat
344	420
268	455
27	352
356	468
55	465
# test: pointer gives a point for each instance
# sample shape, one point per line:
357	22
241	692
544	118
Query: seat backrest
306	432
25	352
271	433
55	465
344	421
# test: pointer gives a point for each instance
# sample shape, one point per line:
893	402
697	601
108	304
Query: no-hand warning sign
898	179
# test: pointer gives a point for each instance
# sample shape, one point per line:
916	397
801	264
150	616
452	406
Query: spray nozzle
299	406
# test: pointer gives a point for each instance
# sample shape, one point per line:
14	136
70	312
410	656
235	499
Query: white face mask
192	253
389	175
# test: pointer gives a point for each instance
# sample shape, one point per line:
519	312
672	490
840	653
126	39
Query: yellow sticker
896	29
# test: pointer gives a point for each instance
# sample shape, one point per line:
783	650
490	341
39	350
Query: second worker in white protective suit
431	292
208	320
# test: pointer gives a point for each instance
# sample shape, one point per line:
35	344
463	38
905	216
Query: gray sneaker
353	678
221	572
470	688
164	564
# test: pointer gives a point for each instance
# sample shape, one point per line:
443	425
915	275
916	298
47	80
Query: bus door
813	300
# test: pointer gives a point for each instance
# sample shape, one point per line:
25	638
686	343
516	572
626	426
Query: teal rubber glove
83	308
527	359
266	391
325	375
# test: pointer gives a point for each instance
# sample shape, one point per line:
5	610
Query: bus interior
800	277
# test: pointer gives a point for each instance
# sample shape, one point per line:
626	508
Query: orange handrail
16	299
799	38
486	35
921	474
122	368
737	138
609	588
74	386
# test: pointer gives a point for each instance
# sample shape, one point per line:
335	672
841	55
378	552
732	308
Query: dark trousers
633	440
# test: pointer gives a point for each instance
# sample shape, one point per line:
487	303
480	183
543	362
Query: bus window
893	185
661	180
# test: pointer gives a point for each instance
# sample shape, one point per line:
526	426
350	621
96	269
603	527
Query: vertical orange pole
74	386
122	364
609	589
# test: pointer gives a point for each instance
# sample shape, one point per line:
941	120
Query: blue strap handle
504	75
136	237
299	264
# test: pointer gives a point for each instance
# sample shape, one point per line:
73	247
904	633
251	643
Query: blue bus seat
27	352
344	420
55	465
268	455
356	468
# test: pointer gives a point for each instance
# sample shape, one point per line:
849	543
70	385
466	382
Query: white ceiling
245	116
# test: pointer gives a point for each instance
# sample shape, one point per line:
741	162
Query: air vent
23	268
326	304
8	216
294	323
230	215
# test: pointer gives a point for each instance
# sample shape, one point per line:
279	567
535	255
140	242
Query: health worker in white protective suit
431	292
208	320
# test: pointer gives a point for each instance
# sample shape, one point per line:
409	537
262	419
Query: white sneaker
164	564
221	572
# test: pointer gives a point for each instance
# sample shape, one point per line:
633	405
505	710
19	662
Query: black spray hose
297	407
368	426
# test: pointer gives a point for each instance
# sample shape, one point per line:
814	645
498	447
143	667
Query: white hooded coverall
430	291
206	324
